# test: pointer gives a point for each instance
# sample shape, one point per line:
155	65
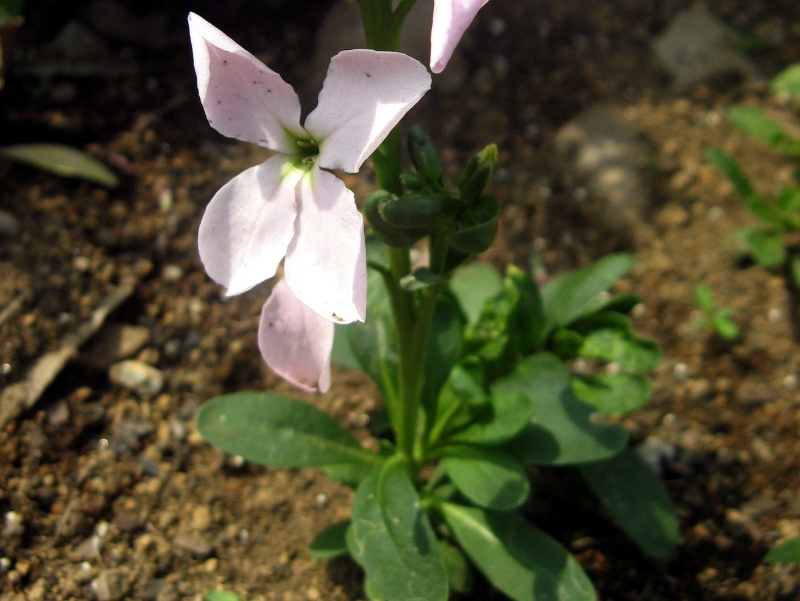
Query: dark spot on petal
367	74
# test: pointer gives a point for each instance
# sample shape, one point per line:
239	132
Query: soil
109	493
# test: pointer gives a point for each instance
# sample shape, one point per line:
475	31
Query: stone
110	585
115	342
137	376
697	46
600	151
9	225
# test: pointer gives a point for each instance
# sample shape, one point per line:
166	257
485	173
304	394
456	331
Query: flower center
308	150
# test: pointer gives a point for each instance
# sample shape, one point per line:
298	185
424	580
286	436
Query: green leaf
562	430
420	279
753	122
221	596
612	393
632	353
579	292
728	166
788	203
637	499
788	81
480	228
787	552
62	160
269	429
766	247
506	415
724	324
392	538
529	314
518	558
331	542
474	284
373	342
444	350
9	9
704	297
342	354
459	572
489	478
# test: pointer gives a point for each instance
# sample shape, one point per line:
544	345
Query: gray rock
137	376
602	152
696	46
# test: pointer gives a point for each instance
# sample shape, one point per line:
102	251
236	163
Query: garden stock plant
483	375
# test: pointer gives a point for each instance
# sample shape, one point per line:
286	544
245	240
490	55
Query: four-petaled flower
450	20
289	206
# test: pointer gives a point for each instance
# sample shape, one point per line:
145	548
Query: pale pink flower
450	20
289	206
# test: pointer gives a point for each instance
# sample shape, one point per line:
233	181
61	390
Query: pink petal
294	341
326	265
364	96
450	20
242	97
248	225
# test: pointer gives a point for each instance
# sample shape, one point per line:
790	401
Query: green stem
382	26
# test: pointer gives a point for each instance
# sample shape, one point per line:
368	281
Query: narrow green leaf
489	477
753	122
579	292
728	166
637	500
222	596
473	285
787	552
62	160
518	558
269	429
331	542
392	538
611	393
562	430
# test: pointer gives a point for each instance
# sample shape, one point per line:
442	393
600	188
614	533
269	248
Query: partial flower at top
289	206
450	20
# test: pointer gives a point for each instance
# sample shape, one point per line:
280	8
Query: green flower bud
476	174
428	212
391	235
423	155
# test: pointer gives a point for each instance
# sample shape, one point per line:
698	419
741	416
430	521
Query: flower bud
428	212
391	235
476	174
423	155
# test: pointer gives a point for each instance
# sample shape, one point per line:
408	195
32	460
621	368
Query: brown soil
110	494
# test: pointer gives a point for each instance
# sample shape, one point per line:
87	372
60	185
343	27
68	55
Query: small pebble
9	225
110	585
137	376
195	545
